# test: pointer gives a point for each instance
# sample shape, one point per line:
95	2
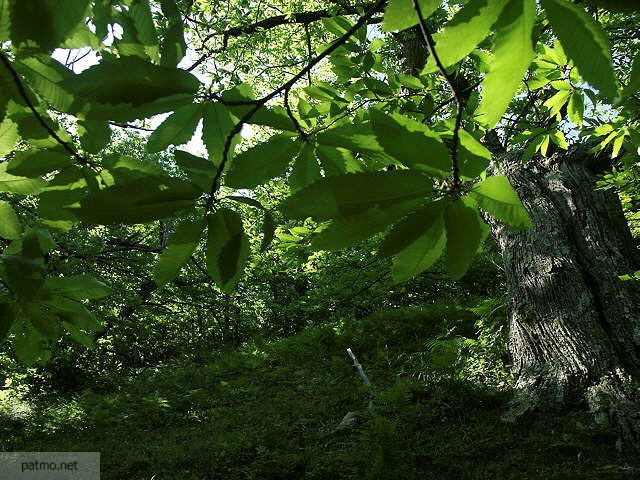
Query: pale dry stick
351	419
363	375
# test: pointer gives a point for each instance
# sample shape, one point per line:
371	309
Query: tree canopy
302	123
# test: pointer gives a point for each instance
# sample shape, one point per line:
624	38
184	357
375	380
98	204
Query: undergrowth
272	410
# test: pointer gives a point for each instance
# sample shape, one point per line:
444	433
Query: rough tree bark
574	325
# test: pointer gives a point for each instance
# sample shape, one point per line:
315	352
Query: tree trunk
574	325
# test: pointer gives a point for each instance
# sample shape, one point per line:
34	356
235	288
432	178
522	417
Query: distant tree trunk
574	325
413	50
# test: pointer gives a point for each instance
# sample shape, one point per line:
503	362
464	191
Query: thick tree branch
296	18
304	18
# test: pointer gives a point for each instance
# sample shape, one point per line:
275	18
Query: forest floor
271	412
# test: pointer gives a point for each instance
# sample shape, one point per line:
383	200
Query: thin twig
309	50
452	99
532	99
428	38
129	125
302	133
25	96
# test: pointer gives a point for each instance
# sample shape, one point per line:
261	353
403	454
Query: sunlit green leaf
73	312
401	14
575	108
617	145
82	37
411	143
411	228
137	201
10	227
21	185
464	233
227	248
496	196
31	129
8	136
306	169
140	13
173	47
179	249
544	144
473	157
357	138
124	168
337	161
555	103
262	162
465	31
126	88
336	25
199	171
584	42
347	231
45	75
345	195
94	135
34	163
66	188
275	116
56	20
559	139
410	81
421	254
217	125
513	53
178	128
127	43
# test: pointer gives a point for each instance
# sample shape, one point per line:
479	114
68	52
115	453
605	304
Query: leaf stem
428	38
302	133
25	96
